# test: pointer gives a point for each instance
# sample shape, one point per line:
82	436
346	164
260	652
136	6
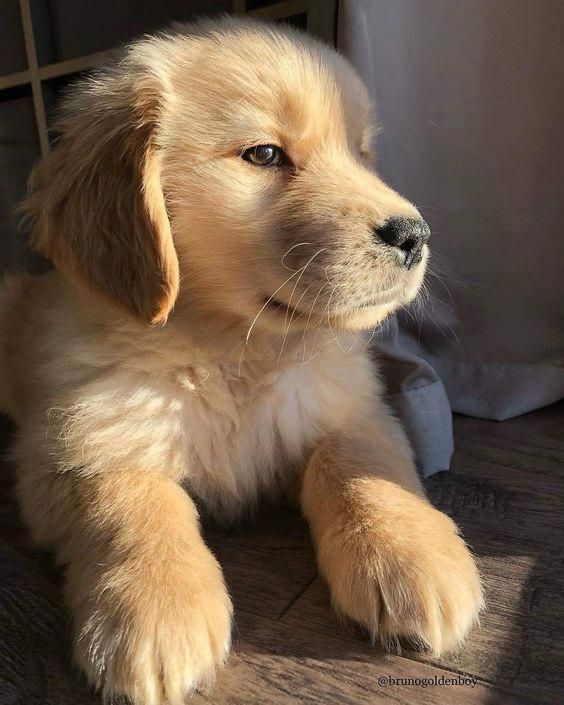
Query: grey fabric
469	97
418	398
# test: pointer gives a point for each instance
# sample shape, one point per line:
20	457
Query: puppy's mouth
279	307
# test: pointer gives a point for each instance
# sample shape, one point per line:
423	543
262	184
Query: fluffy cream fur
200	340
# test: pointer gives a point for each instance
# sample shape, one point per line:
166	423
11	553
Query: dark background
71	31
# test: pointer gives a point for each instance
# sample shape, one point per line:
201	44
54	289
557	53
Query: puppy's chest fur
229	432
244	432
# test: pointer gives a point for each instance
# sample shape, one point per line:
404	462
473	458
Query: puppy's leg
150	608
393	563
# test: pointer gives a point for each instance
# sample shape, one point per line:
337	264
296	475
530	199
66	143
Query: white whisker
334	289
309	318
286	324
255	319
299	244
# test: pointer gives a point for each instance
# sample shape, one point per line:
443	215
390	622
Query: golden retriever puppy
220	242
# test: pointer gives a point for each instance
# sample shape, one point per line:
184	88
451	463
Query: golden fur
148	371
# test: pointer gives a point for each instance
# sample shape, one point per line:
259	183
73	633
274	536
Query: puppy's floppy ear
97	205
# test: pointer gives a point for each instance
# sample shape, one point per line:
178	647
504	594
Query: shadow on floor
505	491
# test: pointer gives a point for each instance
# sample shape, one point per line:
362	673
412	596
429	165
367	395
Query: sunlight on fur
221	244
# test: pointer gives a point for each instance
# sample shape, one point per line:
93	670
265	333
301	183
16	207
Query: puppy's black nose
407	235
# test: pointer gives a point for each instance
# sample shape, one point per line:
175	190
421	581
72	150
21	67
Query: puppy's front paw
154	632
402	570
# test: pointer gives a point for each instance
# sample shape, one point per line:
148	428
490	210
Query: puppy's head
227	168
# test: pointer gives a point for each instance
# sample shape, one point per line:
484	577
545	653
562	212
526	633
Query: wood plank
506	491
267	562
322	20
81	63
280	10
33	69
239	7
307	657
11	80
510	514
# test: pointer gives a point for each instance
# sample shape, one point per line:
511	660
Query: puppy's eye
264	155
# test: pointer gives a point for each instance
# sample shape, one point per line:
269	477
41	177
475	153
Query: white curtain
470	98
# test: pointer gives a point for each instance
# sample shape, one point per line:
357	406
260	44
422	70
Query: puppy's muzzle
407	236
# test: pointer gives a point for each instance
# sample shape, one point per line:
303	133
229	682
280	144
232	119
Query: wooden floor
505	491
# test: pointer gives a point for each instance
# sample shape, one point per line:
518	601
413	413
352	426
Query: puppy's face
274	204
252	152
